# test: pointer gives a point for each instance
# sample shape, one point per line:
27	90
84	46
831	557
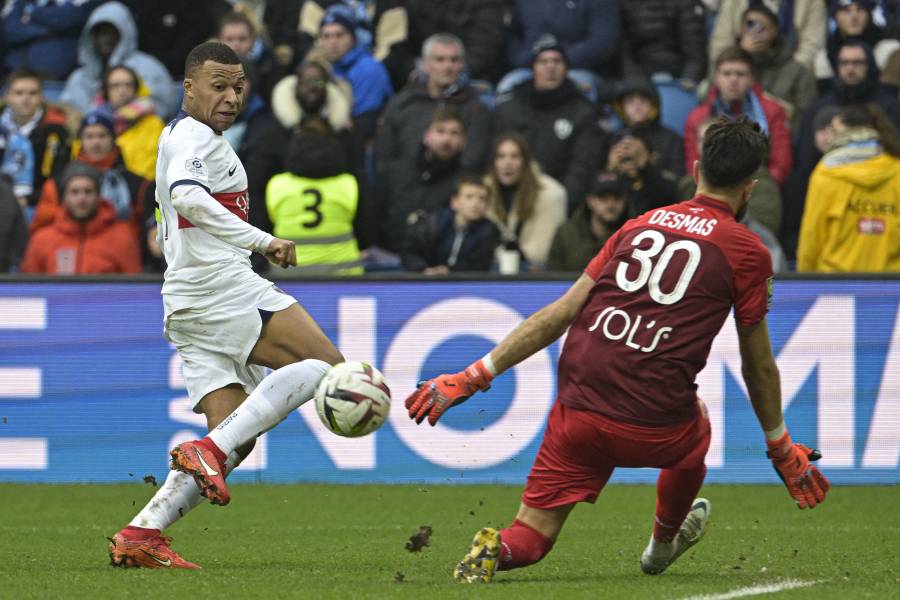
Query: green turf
312	541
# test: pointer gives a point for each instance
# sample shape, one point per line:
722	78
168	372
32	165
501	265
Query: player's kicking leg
291	343
681	519
529	539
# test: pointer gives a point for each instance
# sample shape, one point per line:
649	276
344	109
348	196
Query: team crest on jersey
562	128
770	290
195	166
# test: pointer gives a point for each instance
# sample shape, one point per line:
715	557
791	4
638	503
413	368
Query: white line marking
20	382
23	453
23	313
757	590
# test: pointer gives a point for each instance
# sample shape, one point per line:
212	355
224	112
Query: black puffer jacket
664	36
561	129
666	145
478	23
404	121
430	239
407	185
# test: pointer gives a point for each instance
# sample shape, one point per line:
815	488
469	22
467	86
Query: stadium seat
676	103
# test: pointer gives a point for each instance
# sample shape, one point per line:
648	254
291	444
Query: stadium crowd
445	136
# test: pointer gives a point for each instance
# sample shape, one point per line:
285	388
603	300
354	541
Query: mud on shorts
215	340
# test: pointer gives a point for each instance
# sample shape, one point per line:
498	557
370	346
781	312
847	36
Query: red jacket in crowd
70	247
780	155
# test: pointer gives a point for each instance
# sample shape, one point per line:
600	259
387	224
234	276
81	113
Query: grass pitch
315	541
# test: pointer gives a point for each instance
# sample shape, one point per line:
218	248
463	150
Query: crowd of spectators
453	136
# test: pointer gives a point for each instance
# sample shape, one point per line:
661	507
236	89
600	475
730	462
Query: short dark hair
214	51
24	73
236	18
734	54
446	113
104	82
469	179
733	150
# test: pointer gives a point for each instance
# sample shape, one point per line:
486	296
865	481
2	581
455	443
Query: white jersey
201	189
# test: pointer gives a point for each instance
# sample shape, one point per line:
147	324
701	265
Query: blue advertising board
90	391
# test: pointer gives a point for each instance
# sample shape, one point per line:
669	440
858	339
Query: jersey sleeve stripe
188	182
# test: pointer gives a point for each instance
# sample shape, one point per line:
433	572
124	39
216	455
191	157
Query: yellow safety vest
318	215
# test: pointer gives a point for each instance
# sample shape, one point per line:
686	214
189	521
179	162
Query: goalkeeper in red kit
641	320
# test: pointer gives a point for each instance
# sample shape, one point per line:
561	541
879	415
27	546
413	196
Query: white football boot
657	559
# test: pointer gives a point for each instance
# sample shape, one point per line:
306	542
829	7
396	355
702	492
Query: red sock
133	533
521	545
675	492
211	446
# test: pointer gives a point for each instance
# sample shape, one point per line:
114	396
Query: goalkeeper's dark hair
733	150
214	51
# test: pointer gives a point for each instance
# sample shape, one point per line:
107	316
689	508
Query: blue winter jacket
368	78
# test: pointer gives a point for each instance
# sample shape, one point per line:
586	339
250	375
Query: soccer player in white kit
227	322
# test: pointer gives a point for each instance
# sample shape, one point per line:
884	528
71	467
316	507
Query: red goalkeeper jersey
665	283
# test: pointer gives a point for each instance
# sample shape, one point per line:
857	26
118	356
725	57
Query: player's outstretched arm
194	204
435	396
806	485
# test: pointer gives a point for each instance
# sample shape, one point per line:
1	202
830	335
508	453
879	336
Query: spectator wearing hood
442	83
588	32
110	38
853	21
851	223
43	35
34	141
314	202
664	36
602	213
310	93
424	181
557	121
122	188
735	94
646	186
774	67
803	23
351	61
136	124
85	237
637	104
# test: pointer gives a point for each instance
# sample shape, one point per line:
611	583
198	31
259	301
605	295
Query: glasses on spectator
319	83
852	62
549	60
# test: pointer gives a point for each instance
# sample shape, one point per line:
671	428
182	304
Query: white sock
176	498
279	394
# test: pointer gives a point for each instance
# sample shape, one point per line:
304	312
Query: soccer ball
352	399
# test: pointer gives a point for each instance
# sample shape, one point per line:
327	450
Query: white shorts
215	340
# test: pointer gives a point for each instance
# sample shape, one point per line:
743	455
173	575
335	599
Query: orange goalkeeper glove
435	396
806	485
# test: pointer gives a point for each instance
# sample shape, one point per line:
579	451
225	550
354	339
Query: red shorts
581	448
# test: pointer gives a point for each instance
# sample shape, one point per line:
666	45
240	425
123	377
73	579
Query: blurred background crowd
441	136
